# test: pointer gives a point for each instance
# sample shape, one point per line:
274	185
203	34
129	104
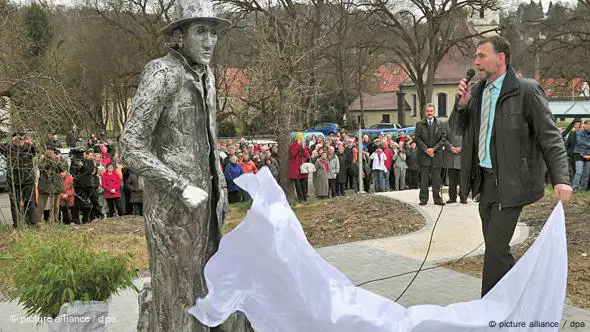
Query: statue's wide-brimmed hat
188	11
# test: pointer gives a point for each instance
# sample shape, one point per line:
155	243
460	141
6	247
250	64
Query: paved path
457	232
5	215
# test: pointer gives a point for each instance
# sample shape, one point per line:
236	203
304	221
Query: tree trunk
362	123
420	92
344	96
429	86
284	141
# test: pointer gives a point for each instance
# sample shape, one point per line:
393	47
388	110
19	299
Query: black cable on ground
425	257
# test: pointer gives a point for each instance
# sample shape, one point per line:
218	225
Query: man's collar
198	68
499	81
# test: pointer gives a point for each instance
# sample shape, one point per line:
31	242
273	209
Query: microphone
468	77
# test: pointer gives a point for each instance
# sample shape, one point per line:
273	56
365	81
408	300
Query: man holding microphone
509	136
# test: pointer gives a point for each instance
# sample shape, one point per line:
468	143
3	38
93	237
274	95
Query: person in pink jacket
111	182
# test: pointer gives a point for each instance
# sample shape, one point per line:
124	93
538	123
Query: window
385	118
358	119
481	13
442	104
414	106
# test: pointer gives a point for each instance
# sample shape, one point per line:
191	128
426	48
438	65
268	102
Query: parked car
394	132
409	131
327	128
385	125
374	133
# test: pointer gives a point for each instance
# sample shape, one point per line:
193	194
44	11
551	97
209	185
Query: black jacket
426	138
342	175
571	142
412	159
134	187
524	140
19	163
81	170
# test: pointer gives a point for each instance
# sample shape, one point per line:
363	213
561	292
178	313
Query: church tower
485	19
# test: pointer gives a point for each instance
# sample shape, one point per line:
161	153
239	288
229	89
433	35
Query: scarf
326	166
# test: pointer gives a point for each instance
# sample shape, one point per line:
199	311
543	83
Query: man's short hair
501	45
587	122
429	105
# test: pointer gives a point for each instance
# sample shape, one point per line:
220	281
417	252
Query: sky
509	3
515	3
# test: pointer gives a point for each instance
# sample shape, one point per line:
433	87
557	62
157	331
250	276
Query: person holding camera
379	170
19	153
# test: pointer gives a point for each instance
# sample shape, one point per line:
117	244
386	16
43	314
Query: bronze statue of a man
170	140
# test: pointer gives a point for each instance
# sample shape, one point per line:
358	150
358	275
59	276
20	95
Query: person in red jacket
298	154
67	198
111	182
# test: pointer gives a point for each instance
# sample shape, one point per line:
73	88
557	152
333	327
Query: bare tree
423	31
283	81
353	53
564	43
34	101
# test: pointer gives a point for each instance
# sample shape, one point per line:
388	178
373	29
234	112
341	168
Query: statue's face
199	42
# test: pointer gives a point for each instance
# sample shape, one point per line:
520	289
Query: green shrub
46	273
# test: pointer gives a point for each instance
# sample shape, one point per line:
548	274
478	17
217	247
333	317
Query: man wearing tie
430	139
509	136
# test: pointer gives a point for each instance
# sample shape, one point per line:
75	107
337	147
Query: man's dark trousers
454	176
26	194
430	174
498	227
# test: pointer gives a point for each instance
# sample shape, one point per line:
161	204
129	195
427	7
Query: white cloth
266	268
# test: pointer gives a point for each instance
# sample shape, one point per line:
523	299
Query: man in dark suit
509	140
430	139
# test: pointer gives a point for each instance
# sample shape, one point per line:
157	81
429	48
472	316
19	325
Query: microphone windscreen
470	74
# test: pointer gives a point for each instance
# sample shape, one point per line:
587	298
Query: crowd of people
427	159
578	149
87	184
329	165
95	184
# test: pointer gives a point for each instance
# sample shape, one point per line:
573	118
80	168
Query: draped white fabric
266	268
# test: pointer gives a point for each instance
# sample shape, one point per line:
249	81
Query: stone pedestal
145	301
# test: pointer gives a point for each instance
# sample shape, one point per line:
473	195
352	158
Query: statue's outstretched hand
194	196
